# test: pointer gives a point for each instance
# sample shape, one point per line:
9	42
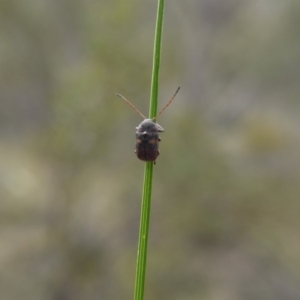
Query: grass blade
148	175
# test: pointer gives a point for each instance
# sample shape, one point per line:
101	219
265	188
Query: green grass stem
148	174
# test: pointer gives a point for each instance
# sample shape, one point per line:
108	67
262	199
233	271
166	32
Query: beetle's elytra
147	137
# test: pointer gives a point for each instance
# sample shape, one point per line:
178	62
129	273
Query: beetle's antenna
130	104
167	103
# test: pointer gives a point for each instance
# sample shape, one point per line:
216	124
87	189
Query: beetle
147	134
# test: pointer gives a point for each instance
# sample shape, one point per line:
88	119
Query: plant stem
148	174
156	59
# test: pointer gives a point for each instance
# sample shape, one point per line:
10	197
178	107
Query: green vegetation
148	176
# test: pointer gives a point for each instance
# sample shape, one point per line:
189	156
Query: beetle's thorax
148	125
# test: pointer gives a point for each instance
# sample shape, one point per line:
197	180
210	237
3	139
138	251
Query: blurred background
225	214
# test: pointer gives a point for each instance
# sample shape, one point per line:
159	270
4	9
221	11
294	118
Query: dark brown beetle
147	137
